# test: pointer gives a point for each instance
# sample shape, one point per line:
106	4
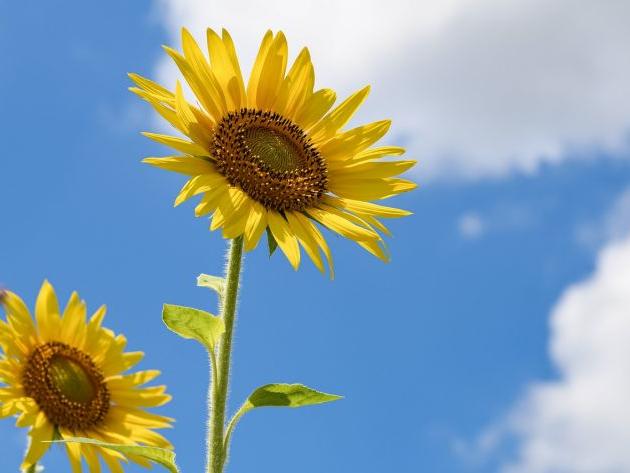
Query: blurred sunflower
63	377
273	155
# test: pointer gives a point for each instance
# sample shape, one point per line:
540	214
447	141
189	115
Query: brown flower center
67	386
270	158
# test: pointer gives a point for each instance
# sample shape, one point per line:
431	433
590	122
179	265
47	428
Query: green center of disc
71	379
273	148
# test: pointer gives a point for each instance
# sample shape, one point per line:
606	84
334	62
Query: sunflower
273	155
63	377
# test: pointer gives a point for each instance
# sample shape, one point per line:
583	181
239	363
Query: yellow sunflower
274	155
63	377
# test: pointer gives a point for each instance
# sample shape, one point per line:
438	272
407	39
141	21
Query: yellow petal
312	229
377	248
376	153
335	120
131	380
21	323
314	108
147	397
339	223
199	76
165	111
357	219
229	208
197	132
210	200
73	326
363	207
306	240
296	86
369	189
272	72
236	226
89	451
189	165
154	88
256	224
112	463
284	237
372	221
346	145
199	184
47	312
41	433
179	144
74	454
119	415
254	78
371	170
228	73
231	51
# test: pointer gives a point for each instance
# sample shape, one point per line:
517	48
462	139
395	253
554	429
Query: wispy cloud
471	226
614	225
500	218
476	87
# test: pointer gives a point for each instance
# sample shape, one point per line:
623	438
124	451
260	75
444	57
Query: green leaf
193	324
216	283
277	395
288	395
271	242
162	456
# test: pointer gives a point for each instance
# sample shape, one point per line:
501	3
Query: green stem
219	391
230	428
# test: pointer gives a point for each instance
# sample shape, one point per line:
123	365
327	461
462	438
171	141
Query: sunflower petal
336	119
306	240
179	144
256	224
363	207
47	312
339	223
41	433
312	229
369	189
272	72
315	107
344	146
189	165
285	238
254	78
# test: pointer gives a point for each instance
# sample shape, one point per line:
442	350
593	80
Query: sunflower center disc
67	386
271	159
71	379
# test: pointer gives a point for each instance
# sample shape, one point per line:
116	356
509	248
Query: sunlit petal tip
185	33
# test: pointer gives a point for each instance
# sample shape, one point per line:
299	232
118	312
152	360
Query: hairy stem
221	378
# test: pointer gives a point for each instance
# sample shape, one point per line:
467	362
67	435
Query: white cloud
471	226
580	423
476	87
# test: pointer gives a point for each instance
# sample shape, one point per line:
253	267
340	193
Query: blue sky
433	352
